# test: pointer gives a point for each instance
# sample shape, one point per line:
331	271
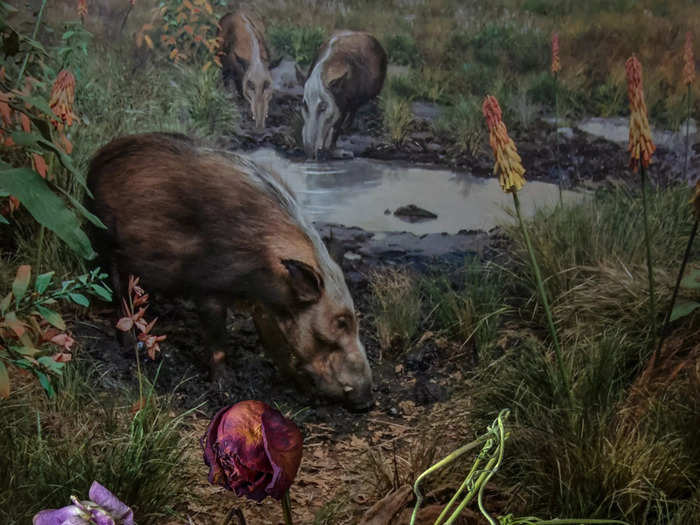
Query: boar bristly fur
215	227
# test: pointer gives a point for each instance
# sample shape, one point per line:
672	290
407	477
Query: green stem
545	302
287	508
687	137
40	249
650	266
667	319
26	56
556	139
440	464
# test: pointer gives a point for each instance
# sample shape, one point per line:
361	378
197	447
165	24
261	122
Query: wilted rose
252	450
103	508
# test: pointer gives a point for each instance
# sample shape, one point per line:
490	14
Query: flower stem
26	56
650	266
287	508
687	137
667	319
545	302
556	138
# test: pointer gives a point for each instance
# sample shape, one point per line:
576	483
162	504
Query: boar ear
306	283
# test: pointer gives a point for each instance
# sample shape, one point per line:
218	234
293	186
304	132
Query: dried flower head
556	66
62	98
641	146
508	165
688	60
82	7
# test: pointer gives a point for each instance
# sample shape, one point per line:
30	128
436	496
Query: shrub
402	50
463	123
299	43
397	117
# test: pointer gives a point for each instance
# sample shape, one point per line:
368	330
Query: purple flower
103	508
252	450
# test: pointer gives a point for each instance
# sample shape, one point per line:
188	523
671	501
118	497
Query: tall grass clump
397	306
54	449
397	117
462	122
298	43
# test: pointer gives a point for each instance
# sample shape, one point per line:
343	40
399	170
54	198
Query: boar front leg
212	313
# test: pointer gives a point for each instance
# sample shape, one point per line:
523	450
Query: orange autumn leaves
63	98
508	165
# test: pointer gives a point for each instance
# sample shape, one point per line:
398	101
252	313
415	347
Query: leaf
43	281
46	383
692	280
79	299
82	209
4	381
5	303
21	282
102	292
3	220
46	207
683	309
53	366
125	324
54	318
14	324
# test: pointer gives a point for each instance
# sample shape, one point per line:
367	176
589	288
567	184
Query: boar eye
266	85
322	107
342	324
250	85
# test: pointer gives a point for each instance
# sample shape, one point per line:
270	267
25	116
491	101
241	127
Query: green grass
397	117
51	450
624	450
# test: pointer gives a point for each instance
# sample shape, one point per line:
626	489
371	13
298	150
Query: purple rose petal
70	515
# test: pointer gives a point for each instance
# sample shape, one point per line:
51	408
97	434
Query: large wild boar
245	61
214	227
348	71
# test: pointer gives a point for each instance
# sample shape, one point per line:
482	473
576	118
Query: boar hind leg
212	313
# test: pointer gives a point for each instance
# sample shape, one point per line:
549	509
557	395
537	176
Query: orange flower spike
556	66
82	8
508	165
63	97
688	60
641	147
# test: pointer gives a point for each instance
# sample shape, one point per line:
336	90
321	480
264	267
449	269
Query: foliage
403	50
185	30
396	307
299	43
397	117
52	449
463	122
36	168
689	285
34	336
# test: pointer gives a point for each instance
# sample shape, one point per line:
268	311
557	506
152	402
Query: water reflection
358	192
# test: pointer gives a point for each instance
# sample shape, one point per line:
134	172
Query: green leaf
21	282
692	280
5	303
26	350
46	383
79	298
39	103
3	220
82	209
52	365
4	381
46	207
53	318
26	139
102	292
683	309
43	281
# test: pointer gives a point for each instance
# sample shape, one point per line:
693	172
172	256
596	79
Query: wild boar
348	71
245	61
216	228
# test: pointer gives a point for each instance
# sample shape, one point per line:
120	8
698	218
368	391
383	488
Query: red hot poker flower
62	98
252	450
641	147
556	66
82	7
508	165
688	60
